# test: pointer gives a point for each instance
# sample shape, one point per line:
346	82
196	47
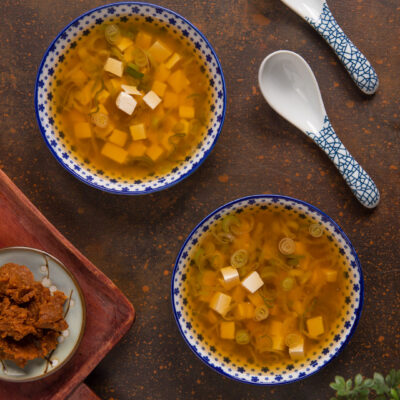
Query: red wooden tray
109	313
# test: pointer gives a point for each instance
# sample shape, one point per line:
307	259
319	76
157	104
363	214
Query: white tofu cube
130	90
220	303
172	60
126	103
114	66
297	353
252	282
151	99
230	277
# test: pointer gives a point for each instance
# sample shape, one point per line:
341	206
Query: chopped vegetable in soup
132	100
267	287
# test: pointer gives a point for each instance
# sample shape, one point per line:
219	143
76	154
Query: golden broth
149	59
298	307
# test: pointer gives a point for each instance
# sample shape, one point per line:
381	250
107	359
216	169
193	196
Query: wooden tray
109	313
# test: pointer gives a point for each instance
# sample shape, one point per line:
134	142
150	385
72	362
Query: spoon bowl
288	85
290	88
306	8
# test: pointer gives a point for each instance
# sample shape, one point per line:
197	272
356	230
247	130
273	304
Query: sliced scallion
133	70
261	313
100	119
239	258
228	221
242	337
112	34
287	246
315	230
288	283
292	340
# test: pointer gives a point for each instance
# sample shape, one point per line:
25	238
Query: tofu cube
114	152
85	94
151	99
220	303
82	53
252	282
138	132
103	96
238	294
82	130
126	103
131	90
159	88
212	317
244	311
297	353
155	152
278	343
256	299
159	51
143	40
114	66
276	328
75	116
124	43
177	81
298	306
115	84
137	149
186	112
162	73
172	60
103	133
78	77
171	100
118	137
230	277
315	326
227	330
166	142
330	275
184	126
209	278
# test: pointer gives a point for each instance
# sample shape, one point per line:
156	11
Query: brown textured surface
83	393
135	240
109	314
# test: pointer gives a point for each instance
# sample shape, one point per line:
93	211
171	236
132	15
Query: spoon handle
361	184
357	65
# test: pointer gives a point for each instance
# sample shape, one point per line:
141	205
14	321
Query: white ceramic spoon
290	88
319	16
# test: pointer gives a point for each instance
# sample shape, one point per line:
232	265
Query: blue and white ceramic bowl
68	39
295	370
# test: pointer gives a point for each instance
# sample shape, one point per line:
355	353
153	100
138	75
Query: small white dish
53	274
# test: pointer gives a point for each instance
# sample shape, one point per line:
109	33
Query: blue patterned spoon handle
361	184
357	65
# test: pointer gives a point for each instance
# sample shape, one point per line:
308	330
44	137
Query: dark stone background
135	240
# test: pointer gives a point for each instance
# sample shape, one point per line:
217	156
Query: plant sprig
361	388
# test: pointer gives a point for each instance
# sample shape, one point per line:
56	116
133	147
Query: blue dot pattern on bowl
68	39
297	369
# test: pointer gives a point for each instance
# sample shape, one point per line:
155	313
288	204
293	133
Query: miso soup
132	100
267	287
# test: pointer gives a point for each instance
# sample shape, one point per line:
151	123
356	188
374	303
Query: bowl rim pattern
149	189
334	353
